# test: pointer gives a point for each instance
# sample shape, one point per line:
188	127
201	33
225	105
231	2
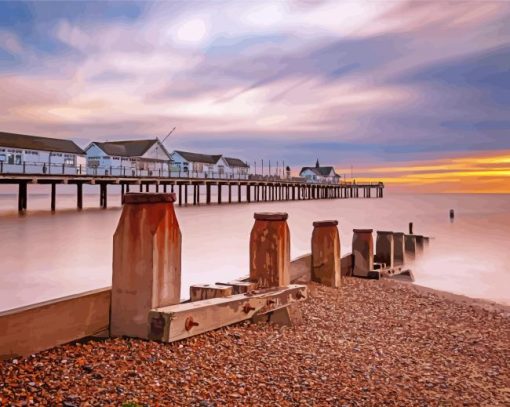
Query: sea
45	255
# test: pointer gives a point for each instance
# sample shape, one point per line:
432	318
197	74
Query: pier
190	191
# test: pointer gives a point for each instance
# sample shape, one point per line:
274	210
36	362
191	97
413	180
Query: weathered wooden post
419	244
326	253
410	247
363	251
385	248
398	246
270	250
146	262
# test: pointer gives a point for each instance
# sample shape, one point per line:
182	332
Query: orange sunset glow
488	173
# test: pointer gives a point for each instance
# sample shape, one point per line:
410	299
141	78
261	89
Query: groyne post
410	247
326	253
146	262
363	251
270	250
419	244
385	248
399	252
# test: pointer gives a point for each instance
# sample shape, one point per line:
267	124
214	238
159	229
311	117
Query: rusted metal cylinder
326	253
270	250
363	251
146	262
385	248
398	249
410	247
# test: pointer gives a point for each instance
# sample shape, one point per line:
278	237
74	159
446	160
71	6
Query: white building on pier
197	165
26	154
128	158
318	174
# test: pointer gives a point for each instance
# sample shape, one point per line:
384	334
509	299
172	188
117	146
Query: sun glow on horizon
470	174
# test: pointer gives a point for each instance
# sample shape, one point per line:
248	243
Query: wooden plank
346	264
300	269
240	287
37	327
200	292
181	321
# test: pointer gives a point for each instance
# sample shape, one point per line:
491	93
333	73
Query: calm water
44	256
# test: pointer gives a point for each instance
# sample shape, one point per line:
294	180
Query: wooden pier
188	190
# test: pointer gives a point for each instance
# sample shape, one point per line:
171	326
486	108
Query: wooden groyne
192	190
144	300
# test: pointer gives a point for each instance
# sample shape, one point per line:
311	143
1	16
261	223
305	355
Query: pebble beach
367	343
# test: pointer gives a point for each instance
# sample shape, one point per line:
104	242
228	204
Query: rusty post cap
148	198
384	232
325	223
270	215
362	230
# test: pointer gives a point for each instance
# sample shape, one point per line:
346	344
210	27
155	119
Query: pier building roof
128	148
235	162
27	142
326	171
199	158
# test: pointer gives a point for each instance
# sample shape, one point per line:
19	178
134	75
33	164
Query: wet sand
367	343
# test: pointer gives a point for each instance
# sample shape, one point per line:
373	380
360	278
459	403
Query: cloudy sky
416	93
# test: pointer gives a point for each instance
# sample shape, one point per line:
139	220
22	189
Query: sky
413	93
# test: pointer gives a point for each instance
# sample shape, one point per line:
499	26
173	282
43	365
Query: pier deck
227	190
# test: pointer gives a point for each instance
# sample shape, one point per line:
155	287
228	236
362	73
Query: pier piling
53	196
79	195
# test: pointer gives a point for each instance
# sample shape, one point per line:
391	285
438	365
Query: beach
366	343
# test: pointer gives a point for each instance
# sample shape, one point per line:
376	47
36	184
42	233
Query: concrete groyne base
365	343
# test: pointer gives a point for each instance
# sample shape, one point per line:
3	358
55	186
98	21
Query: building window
69	161
14	159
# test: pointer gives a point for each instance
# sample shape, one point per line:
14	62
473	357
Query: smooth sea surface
45	256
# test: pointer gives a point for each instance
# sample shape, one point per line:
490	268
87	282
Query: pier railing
43	168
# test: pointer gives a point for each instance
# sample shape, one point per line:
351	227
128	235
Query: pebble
366	343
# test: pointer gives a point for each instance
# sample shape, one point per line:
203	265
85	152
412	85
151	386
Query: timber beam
180	321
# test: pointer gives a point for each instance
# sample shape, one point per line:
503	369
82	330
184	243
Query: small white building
128	158
21	153
318	174
237	168
199	165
